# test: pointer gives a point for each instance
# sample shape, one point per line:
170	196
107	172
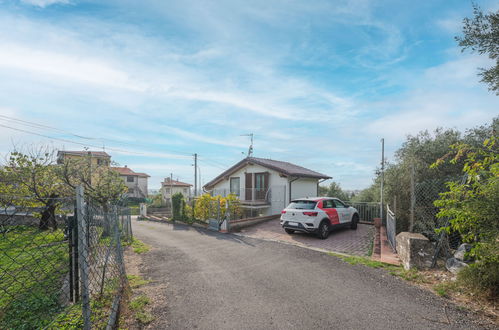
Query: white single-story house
171	187
265	184
136	182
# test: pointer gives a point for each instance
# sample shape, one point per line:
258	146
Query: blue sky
319	83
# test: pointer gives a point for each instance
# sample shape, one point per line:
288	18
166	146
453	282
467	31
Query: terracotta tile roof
84	153
285	168
128	171
176	183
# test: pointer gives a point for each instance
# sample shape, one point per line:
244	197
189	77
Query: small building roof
84	153
176	183
284	168
128	171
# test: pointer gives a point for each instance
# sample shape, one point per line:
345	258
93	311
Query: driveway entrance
343	240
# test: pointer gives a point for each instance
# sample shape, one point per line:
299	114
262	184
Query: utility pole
382	174
171	190
195	174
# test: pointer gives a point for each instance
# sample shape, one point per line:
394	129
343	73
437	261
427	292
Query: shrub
472	209
177	203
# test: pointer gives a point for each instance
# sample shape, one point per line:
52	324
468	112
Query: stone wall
414	250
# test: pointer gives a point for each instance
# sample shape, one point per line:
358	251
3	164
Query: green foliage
177	203
138	305
206	206
31	300
472	208
481	35
418	153
136	281
139	247
156	201
31	180
100	182
334	190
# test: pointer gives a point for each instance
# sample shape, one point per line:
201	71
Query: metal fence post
413	201
83	257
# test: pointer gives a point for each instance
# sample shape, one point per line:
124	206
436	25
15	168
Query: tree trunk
47	219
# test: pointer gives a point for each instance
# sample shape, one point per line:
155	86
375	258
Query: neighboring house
265	184
171	187
136	182
97	158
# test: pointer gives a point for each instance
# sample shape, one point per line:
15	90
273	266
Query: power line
36	125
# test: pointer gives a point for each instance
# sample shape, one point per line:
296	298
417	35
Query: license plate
293	223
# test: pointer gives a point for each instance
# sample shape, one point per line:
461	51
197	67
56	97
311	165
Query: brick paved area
344	240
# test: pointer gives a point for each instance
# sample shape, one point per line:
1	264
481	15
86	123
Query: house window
185	191
261	185
235	186
167	190
130	178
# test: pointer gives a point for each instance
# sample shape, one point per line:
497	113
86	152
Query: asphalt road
220	281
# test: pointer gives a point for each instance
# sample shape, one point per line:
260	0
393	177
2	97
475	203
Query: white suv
318	215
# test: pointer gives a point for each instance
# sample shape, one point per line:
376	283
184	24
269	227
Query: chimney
125	166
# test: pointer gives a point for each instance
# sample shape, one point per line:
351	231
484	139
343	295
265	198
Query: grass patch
138	306
139	247
139	302
136	281
33	267
412	275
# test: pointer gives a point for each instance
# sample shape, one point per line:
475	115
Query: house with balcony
266	185
96	158
170	187
135	181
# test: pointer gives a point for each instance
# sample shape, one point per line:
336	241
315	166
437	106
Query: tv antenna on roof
250	149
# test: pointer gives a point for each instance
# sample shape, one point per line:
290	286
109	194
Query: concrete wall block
414	250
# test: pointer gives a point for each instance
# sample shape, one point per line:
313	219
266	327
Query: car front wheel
289	231
355	220
323	230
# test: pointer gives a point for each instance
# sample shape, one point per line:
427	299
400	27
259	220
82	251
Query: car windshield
304	205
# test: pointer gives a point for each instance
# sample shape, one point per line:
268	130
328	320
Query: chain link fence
417	213
61	262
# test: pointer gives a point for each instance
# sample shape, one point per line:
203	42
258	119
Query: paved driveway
222	281
344	240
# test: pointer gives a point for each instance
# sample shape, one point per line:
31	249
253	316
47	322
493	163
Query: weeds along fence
413	206
61	262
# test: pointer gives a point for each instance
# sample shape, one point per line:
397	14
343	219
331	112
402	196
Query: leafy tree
30	180
101	183
334	190
481	34
472	208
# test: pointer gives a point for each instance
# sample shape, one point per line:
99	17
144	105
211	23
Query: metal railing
391	226
367	210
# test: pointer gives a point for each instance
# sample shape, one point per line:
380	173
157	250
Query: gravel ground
223	281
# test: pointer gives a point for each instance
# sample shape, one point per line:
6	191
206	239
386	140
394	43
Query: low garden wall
236	225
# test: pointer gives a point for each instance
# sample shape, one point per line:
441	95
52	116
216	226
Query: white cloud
45	3
81	68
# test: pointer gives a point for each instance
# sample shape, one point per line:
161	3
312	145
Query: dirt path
216	281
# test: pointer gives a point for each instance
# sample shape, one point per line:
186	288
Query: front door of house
261	185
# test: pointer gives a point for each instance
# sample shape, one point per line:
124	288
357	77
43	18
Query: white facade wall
139	185
279	185
304	187
167	192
